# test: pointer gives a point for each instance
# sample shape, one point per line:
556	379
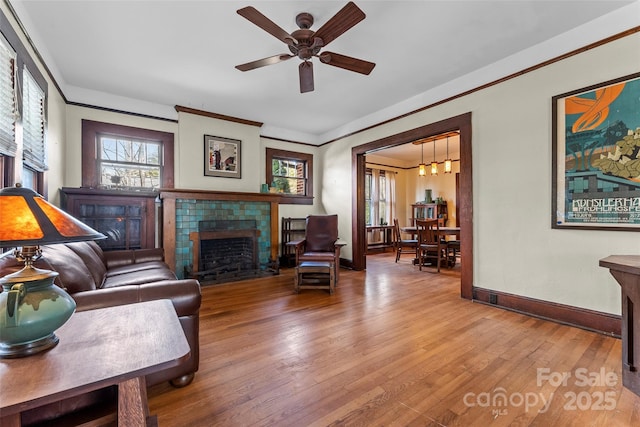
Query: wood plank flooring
392	347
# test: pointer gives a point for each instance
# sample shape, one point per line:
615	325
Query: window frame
307	159
91	130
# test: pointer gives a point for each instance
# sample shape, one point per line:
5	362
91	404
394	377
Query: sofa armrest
132	256
184	295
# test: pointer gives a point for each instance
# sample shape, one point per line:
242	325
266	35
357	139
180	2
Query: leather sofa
95	278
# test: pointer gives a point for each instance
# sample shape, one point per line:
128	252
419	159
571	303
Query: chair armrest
132	256
184	295
298	246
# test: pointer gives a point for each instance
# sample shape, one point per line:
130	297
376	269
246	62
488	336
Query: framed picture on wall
222	157
596	156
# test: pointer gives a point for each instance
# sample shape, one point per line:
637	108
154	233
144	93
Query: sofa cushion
91	260
138	277
128	268
73	274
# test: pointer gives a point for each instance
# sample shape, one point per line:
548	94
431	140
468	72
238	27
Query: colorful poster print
597	156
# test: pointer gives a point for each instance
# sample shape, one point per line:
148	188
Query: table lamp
31	306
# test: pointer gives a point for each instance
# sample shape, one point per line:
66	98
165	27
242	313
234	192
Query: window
129	163
292	174
379	195
33	128
8	106
368	203
116	156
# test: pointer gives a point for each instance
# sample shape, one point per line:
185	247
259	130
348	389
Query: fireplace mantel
169	197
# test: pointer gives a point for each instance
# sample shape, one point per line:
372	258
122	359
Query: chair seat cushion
314	264
318	256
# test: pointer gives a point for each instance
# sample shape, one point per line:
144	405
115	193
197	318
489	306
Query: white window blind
8	105
33	124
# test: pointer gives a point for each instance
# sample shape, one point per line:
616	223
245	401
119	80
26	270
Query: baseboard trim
604	323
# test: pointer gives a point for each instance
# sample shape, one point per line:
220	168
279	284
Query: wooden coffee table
98	348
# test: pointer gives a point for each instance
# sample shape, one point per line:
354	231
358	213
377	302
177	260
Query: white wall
515	249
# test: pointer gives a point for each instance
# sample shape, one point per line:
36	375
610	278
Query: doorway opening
462	124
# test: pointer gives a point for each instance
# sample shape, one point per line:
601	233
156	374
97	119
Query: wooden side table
98	348
626	270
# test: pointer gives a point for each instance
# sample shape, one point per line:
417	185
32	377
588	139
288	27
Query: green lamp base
31	309
10	351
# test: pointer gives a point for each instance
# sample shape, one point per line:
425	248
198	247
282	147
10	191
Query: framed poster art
596	157
222	157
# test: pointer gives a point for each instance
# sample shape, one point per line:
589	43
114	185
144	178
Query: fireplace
183	210
224	250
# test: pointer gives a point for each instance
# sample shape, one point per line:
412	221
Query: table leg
12	420
133	408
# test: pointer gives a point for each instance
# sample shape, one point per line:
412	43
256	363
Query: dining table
442	231
450	259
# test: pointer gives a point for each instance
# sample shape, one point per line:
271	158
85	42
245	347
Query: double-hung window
291	173
123	157
129	163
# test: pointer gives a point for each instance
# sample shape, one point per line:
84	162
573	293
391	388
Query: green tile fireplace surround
182	210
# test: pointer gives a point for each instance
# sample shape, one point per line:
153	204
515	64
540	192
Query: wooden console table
626	270
387	237
98	348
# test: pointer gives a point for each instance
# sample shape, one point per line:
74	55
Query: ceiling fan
306	43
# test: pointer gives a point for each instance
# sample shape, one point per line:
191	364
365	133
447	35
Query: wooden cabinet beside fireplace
127	218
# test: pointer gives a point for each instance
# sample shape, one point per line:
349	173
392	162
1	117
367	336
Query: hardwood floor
392	347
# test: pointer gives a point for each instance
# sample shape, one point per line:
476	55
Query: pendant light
447	162
422	168
434	164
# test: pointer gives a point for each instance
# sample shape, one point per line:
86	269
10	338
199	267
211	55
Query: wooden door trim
462	123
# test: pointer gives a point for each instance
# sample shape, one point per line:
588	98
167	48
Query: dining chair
401	243
430	245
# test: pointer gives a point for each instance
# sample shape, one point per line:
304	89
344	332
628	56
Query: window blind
33	124
8	144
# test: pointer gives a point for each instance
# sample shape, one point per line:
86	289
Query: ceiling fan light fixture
305	43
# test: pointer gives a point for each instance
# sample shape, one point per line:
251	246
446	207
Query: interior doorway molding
461	123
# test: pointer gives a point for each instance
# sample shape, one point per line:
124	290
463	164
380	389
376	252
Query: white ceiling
147	56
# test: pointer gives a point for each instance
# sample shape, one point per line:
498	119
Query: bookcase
429	211
291	229
127	218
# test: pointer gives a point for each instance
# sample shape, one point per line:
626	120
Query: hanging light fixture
422	168
447	162
434	164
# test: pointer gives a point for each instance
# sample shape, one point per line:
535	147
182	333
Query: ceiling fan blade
306	76
346	18
347	62
263	62
265	23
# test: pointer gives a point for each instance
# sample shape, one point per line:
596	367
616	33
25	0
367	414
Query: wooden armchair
320	243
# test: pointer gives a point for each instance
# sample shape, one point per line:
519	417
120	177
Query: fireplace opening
224	250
